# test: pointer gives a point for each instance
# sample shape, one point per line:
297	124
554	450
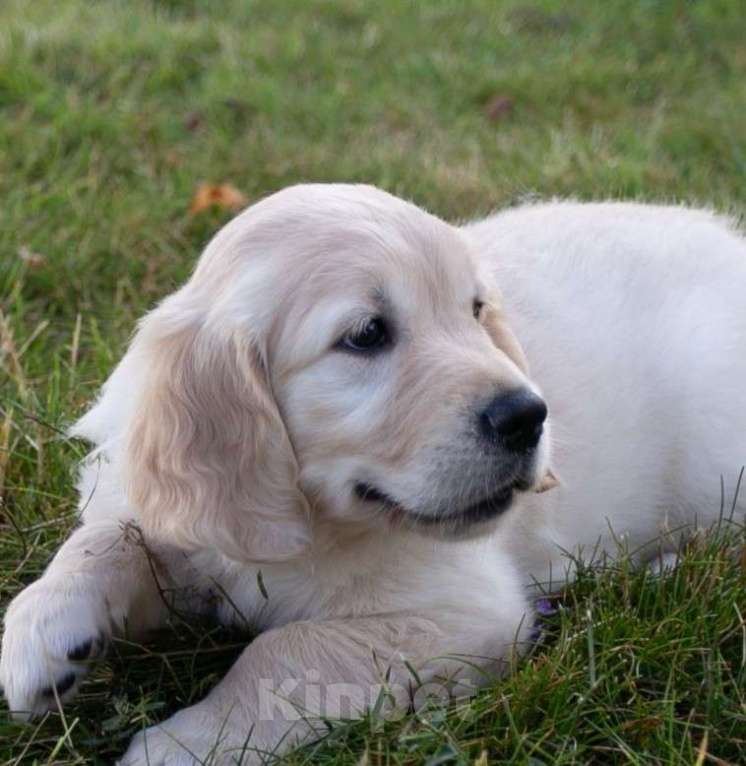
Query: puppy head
335	344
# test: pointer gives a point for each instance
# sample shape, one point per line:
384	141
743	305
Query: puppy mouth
484	510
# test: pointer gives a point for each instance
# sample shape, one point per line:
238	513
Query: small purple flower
544	607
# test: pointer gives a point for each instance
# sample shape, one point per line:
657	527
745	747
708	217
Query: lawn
112	113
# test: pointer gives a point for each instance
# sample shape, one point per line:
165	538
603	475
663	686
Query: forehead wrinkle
431	289
396	285
313	315
449	269
414	256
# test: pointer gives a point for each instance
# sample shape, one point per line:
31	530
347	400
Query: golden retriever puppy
330	434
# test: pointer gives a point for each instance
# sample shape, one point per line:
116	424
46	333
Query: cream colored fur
231	436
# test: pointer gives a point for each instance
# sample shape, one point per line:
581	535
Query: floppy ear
208	460
503	337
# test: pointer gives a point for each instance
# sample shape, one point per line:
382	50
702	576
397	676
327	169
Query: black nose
515	420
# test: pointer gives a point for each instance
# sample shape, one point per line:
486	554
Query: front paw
52	634
193	736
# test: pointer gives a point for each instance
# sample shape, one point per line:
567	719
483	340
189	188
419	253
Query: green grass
111	113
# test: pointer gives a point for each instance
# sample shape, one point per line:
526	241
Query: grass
111	113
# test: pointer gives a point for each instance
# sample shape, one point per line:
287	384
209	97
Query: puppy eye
476	309
371	336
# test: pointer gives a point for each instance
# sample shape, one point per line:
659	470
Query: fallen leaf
499	107
194	121
29	257
223	196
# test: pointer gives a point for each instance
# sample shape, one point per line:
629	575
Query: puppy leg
100	583
290	679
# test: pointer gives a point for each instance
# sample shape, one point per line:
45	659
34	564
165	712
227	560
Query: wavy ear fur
208	460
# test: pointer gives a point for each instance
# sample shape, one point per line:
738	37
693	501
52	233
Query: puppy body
253	464
633	318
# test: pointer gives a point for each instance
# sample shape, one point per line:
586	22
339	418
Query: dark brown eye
477	307
371	337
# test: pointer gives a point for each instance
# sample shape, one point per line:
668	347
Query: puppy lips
482	510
